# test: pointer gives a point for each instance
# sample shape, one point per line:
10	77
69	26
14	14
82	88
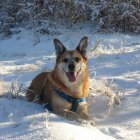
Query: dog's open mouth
72	76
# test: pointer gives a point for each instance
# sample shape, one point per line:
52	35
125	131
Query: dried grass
12	90
103	88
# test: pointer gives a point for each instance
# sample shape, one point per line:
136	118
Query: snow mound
23	120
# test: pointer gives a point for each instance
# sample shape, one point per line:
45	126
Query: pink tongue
71	76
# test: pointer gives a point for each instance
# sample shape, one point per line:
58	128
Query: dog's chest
74	87
60	103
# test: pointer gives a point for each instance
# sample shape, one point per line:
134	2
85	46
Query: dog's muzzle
72	74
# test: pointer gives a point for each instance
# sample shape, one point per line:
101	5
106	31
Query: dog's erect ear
81	48
59	47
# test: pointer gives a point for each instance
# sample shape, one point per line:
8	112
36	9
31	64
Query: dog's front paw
87	123
69	115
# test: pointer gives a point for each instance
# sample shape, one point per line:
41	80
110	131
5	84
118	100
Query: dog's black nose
71	67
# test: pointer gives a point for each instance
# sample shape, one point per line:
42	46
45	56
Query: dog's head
71	64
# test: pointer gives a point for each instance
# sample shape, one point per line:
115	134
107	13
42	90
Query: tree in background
108	15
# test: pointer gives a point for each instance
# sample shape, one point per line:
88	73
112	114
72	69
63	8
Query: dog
65	88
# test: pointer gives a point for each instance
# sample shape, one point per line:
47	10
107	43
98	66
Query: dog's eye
77	59
65	60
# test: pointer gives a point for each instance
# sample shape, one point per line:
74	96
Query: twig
96	45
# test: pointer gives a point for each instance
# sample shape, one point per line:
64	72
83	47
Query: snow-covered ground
114	67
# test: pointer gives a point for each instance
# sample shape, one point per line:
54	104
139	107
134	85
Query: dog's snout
71	67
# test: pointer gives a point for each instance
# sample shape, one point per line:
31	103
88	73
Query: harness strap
42	93
42	90
75	101
41	97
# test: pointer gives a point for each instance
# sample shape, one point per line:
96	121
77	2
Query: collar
75	101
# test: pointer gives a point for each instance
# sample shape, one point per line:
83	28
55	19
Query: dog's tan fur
57	79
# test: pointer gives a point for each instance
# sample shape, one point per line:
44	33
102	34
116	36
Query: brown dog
65	88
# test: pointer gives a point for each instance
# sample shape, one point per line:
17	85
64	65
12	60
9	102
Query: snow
23	120
116	63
